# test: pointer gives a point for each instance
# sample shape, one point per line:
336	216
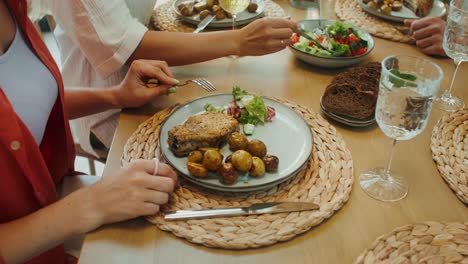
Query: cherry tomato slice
294	38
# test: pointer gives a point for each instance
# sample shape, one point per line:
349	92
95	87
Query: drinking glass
407	87
234	7
455	45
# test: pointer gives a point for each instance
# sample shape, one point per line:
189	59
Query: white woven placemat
326	180
449	145
424	243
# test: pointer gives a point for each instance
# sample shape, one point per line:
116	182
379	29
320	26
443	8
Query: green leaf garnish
405	76
211	108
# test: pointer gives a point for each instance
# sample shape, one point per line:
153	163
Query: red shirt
29	173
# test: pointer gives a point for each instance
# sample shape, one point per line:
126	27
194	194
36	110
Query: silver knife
202	25
261	208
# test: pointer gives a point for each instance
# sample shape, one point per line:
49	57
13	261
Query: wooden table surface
339	239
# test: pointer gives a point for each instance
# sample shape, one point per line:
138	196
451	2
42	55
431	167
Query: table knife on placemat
202	25
261	208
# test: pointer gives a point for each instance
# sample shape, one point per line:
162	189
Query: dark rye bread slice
209	129
353	93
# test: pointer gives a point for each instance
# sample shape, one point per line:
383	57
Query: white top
96	38
29	85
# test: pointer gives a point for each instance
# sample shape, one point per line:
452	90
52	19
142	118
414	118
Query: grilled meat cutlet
209	129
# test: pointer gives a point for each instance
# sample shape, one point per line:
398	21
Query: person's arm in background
261	37
429	34
132	92
110	37
135	189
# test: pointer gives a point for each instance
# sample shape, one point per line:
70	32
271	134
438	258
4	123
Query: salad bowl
353	45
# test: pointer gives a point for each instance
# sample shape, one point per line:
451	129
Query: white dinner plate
288	137
243	17
438	9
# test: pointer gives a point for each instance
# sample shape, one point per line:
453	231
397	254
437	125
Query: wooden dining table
339	239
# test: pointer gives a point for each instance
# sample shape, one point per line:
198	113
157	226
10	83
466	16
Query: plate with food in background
195	11
399	10
330	43
236	142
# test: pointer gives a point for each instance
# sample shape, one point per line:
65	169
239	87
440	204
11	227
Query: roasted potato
209	3
258	167
252	8
372	5
187	10
227	173
385	9
257	148
212	160
397	6
195	156
238	141
204	14
242	160
197	170
200	6
220	15
179	7
216	8
203	150
271	163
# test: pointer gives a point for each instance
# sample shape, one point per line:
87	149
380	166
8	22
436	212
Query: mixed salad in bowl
342	39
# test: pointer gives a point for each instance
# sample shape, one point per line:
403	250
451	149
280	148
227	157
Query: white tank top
28	84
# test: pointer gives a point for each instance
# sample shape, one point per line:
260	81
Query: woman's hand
132	192
133	91
429	34
264	36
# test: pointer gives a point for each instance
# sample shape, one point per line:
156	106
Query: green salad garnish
405	76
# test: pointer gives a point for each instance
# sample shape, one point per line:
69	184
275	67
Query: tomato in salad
294	38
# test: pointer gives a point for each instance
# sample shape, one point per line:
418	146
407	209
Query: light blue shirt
28	84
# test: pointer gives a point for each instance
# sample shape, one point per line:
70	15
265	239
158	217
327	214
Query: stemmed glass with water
408	86
234	7
455	45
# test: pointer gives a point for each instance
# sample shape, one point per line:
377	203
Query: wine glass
234	7
455	45
407	87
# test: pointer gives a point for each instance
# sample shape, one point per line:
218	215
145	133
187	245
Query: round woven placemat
349	10
449	145
326	180
425	243
165	19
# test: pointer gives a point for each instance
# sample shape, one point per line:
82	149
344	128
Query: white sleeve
104	30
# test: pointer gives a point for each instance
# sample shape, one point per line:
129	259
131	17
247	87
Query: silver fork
203	83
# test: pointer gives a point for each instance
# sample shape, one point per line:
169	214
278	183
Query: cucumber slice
249	129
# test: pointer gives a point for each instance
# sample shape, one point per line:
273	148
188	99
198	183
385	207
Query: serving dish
349	121
438	9
330	62
288	137
243	17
